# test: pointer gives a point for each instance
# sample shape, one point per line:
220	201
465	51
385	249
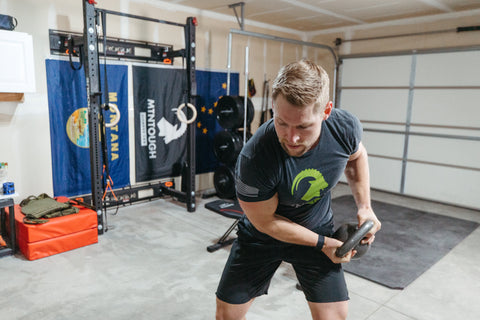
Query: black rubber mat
409	243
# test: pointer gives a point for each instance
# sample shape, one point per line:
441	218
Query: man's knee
329	311
227	311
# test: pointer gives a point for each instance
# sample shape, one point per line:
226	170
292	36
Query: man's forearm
285	230
262	215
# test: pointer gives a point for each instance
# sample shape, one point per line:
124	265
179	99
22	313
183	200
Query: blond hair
302	83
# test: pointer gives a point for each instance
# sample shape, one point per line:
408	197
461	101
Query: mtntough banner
69	128
160	138
211	86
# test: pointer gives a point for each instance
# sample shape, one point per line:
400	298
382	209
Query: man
284	175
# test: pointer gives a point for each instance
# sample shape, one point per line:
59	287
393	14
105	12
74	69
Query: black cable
71	50
105	109
105	98
104	33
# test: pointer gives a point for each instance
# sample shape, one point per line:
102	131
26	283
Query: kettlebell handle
354	239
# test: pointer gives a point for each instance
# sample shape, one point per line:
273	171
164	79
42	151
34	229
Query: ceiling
317	15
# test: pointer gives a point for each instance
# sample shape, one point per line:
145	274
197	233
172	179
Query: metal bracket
240	21
121	49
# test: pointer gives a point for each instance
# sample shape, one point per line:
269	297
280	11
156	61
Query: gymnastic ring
182	117
116	111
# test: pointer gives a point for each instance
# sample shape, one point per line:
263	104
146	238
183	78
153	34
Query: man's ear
328	110
273	108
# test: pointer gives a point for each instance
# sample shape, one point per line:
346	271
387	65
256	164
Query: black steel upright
191	93
92	76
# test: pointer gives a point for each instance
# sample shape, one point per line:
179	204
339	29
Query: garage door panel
444	184
376	105
384	144
447	151
451	107
448	69
385	174
377	71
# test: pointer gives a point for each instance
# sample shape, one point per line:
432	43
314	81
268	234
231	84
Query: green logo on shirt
317	184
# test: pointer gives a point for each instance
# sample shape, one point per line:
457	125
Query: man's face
298	129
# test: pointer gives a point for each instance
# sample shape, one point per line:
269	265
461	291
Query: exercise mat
409	243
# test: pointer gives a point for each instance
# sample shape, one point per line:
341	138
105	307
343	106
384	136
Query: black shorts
251	265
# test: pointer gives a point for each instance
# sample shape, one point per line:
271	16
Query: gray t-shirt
303	183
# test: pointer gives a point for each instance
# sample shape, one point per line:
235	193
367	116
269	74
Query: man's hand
365	214
331	245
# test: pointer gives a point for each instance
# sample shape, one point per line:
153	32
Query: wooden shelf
11	96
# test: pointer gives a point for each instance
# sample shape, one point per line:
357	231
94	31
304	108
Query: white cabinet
16	62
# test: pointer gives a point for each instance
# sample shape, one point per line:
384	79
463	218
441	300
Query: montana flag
69	133
211	86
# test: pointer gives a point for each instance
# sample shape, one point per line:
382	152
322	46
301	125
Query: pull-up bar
133	16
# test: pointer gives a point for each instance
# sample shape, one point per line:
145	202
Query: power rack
86	47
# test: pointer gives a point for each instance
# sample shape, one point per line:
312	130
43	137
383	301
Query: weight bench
230	209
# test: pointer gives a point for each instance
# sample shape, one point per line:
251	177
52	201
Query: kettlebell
345	232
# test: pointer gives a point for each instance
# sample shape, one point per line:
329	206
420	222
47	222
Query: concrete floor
153	264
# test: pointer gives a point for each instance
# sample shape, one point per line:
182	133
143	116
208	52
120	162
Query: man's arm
358	177
262	215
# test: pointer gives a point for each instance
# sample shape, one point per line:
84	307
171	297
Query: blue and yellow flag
211	86
69	134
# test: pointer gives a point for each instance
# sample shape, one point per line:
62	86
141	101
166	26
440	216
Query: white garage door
421	117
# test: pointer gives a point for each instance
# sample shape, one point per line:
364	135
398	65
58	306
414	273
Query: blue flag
211	86
69	137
